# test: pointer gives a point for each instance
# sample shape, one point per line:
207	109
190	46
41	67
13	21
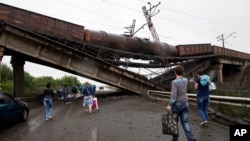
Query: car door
3	111
9	109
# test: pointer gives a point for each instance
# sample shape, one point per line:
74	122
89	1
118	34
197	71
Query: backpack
74	89
204	80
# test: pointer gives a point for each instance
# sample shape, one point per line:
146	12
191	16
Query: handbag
169	124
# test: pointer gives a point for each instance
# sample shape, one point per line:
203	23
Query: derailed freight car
41	24
203	49
64	30
194	49
130	44
230	53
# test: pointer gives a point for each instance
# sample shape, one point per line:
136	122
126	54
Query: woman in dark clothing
88	95
202	86
48	101
65	93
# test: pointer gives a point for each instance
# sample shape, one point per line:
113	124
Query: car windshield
4	98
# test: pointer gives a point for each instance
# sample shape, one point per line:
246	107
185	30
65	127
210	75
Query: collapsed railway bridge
105	57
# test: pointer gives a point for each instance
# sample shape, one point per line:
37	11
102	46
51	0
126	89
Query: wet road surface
122	118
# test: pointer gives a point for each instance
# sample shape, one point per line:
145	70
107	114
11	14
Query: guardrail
227	100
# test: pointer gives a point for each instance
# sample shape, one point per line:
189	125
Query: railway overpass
24	45
105	57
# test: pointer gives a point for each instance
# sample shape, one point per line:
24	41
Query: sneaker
50	117
46	119
203	123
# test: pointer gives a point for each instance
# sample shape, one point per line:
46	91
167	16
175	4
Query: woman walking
48	101
88	95
202	86
178	103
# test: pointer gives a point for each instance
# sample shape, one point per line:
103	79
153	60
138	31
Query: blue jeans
65	97
59	94
202	106
181	108
48	103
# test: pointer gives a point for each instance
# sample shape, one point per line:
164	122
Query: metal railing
226	100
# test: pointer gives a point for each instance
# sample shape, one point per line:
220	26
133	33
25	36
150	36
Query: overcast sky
178	22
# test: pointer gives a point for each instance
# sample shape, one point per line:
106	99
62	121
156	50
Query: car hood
23	103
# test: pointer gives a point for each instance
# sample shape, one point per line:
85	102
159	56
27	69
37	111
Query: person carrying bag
178	104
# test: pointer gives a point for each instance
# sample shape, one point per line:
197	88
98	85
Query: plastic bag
212	86
95	104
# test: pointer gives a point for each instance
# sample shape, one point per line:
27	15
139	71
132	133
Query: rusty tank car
130	44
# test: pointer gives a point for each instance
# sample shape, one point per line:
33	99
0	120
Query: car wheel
24	115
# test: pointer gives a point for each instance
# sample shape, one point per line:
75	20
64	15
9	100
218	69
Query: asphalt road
119	118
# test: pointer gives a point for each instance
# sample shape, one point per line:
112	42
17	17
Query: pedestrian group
87	90
178	102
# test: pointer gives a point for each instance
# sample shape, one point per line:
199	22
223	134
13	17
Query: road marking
94	134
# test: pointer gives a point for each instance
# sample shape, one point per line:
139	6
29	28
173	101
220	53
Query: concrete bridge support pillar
1	56
18	74
219	72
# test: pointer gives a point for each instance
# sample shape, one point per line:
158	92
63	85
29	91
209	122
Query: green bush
7	87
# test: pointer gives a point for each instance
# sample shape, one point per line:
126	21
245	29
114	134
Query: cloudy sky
178	21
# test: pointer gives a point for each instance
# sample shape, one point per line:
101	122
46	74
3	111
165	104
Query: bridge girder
60	57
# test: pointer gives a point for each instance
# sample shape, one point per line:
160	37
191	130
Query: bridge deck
35	48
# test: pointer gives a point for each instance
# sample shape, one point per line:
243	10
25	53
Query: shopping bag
212	86
169	124
95	104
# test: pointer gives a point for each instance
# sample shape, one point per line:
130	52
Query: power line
222	38
101	15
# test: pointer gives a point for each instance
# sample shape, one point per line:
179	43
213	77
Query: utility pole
221	37
148	15
131	29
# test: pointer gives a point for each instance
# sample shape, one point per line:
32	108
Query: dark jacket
88	91
48	93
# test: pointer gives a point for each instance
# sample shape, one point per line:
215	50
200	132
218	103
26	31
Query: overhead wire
185	14
98	14
206	19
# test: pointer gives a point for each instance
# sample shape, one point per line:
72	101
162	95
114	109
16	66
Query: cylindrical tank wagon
130	44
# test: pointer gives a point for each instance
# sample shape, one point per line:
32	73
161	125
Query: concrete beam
218	72
18	75
231	61
1	57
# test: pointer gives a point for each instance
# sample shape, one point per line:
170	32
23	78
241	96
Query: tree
7	86
29	84
6	73
33	85
69	80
